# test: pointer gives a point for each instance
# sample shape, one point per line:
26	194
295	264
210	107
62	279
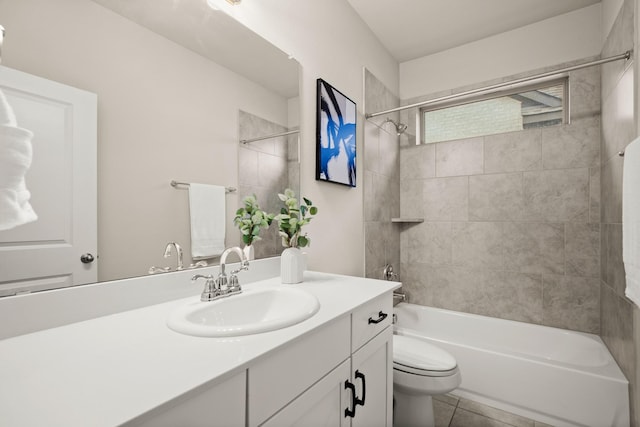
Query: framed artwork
335	136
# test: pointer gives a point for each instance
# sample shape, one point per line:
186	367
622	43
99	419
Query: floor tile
495	414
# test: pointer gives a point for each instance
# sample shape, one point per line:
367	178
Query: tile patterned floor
451	411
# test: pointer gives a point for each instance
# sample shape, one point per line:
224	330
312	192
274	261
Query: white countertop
109	370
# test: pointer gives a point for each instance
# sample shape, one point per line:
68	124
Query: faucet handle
201	276
211	290
234	283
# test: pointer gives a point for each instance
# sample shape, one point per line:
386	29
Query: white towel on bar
631	220
15	159
207	211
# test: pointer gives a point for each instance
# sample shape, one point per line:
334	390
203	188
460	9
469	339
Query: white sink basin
251	312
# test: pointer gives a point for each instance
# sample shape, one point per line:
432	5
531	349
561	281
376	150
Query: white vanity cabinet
340	376
220	405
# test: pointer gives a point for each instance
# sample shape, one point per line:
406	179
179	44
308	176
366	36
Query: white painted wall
572	36
331	42
610	10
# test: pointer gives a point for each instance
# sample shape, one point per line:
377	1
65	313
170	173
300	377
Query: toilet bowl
420	370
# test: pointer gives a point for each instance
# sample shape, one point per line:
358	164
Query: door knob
87	258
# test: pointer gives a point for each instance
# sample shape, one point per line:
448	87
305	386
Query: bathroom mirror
178	85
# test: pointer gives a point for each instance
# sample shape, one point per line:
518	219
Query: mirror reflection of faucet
167	253
180	266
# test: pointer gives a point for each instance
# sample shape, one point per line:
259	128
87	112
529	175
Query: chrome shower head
400	127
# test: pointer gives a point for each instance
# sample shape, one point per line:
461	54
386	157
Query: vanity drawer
279	378
371	319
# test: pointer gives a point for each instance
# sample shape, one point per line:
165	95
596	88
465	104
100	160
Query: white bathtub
551	375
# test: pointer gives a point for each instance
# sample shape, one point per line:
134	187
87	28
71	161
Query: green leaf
307	201
302	241
246	239
313	210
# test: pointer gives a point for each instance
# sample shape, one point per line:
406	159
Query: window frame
494	94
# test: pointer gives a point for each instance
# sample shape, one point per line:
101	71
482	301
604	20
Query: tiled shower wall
267	168
618	329
511	221
381	181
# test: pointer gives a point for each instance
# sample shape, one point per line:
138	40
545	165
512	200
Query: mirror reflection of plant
292	217
250	219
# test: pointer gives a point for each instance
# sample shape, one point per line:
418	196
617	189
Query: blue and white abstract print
336	133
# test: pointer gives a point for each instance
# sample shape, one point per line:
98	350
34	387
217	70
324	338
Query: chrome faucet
167	253
388	273
223	286
231	285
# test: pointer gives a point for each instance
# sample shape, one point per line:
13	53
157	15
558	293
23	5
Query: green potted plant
251	220
292	218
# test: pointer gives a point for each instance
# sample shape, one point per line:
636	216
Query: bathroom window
523	107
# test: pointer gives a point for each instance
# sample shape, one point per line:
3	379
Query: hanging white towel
15	159
207	210
631	220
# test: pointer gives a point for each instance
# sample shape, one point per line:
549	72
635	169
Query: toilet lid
419	354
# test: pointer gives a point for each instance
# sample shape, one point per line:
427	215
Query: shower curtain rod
275	135
626	55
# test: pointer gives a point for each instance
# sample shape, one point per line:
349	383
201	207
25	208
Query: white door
46	254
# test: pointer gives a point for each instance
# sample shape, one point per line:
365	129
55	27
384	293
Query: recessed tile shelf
407	220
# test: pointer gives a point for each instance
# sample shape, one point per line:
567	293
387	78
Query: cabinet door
323	405
372	373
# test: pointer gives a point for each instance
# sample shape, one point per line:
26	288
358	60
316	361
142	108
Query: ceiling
411	29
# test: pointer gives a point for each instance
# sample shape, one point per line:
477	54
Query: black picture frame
336	116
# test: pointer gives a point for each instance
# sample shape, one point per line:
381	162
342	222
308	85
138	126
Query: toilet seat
418	357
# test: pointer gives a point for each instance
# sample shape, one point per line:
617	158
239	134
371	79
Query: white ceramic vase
292	265
249	252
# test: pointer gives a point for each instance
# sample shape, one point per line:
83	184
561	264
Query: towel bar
175	184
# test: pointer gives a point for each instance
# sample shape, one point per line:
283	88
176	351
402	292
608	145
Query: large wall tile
496	197
418	162
594	195
534	247
557	195
272	171
613	273
389	154
619	40
446	199
414	277
572	302
374	249
582	252
611	182
462	157
371	147
248	167
514	151
618	124
477	244
427	243
412	198
584	87
572	146
617	329
505	295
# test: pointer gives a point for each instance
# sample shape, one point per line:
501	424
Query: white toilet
420	370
